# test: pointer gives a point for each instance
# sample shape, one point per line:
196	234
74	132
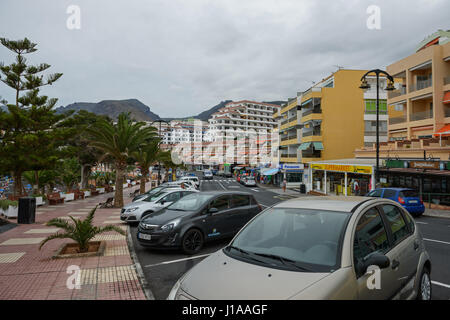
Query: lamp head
364	84
390	86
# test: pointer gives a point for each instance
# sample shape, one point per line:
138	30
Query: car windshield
296	239
156	196
190	202
410	194
250	178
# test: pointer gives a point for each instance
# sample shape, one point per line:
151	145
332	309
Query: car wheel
424	286
192	241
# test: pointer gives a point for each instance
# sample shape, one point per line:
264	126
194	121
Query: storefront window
294	177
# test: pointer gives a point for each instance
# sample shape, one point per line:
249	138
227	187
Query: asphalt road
163	268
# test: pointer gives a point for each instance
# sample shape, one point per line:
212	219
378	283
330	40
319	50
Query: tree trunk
143	180
118	196
36	180
18	183
85	171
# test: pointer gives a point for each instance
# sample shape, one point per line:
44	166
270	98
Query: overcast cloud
181	57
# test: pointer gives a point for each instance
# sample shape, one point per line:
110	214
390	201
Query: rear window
389	193
409	194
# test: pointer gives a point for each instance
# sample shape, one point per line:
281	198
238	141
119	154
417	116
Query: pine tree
31	134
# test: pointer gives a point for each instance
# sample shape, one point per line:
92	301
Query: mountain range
138	110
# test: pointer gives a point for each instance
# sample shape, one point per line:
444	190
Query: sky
181	57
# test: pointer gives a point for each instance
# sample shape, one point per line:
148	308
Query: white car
249	181
191	178
207	175
187	184
135	211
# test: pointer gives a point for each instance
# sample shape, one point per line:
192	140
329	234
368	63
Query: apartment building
243	116
182	131
421	106
335	116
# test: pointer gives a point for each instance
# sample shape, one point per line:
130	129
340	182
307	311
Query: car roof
397	189
219	192
332	203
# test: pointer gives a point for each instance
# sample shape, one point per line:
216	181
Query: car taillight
401	200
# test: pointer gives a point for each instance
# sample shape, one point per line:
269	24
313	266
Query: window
389	193
239	200
370	236
220	203
396	222
172	197
374	193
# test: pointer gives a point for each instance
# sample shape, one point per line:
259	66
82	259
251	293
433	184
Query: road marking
256	190
441	284
444	242
421	222
177	260
222	186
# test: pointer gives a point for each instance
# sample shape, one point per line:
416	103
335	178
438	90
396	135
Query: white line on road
444	242
421	222
175	261
441	284
256	190
221	185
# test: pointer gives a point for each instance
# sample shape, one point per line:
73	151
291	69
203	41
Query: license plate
413	201
144	236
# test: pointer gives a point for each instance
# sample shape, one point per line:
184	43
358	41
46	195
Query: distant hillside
113	108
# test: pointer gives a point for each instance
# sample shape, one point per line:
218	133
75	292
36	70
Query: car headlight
132	209
171	225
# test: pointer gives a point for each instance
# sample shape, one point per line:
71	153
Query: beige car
317	248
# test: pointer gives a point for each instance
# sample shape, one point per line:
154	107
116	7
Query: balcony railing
293	118
315	132
375	111
310	111
421	115
313	154
289	155
421	85
447	80
284	121
396	93
396	120
288	138
374	133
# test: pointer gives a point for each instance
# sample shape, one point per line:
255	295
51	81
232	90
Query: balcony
289	155
314	132
288	138
396	93
310	111
311	154
381	112
446	80
421	115
420	85
447	112
374	133
396	120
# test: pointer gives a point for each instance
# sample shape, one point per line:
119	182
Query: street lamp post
364	85
159	163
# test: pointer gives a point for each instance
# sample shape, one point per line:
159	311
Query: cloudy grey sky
181	57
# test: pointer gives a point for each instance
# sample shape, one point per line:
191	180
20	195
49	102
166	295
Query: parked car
164	186
316	249
214	171
220	173
196	219
135	211
408	198
207	175
193	179
249	181
227	174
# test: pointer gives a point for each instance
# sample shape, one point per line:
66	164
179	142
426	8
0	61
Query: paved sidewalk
437	213
279	190
27	273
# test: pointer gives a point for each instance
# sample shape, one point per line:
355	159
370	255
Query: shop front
293	173
341	177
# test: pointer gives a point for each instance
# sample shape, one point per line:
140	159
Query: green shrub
4	204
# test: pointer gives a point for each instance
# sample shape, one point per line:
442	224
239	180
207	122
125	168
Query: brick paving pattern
29	274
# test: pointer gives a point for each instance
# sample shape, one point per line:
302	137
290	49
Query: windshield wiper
285	261
247	253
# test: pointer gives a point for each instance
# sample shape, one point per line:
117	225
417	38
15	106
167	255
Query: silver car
317	248
135	211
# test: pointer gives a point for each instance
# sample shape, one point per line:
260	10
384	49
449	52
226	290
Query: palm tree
119	141
81	231
145	157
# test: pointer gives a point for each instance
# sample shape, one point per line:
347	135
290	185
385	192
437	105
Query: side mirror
162	201
213	210
375	259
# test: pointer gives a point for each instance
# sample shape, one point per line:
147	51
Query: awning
270	172
446	97
318	145
304	146
237	168
443	132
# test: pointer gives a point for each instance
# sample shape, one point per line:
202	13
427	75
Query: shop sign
342	168
424	164
292	166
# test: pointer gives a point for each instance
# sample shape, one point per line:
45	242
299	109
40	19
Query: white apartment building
241	116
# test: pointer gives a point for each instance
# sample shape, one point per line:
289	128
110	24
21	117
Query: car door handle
395	264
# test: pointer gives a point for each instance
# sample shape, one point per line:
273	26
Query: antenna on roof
339	67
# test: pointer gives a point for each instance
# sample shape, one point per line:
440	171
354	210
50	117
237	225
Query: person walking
284	184
356	188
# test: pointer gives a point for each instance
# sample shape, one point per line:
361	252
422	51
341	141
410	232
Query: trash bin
302	188
27	210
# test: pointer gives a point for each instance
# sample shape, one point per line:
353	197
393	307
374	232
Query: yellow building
337	117
289	132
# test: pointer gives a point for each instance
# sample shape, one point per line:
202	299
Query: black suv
196	219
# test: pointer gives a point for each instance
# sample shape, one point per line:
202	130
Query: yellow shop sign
342	168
